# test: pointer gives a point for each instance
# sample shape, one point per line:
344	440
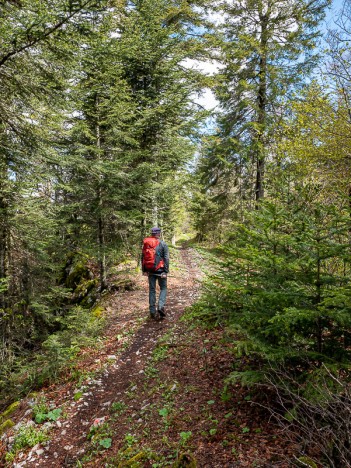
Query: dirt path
154	394
68	438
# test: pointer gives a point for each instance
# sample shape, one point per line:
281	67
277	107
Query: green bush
282	283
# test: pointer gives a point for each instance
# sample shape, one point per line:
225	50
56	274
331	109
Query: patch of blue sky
332	14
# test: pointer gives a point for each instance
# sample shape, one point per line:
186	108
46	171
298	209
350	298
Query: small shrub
185	437
27	436
105	443
52	415
118	407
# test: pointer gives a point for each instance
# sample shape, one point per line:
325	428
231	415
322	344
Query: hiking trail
153	393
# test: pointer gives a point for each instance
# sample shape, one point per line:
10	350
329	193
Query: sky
332	12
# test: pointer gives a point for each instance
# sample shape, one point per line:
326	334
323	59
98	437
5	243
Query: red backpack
149	254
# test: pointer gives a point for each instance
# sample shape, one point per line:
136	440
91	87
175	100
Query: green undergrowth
285	316
58	353
198	314
35	431
154	422
44	413
79	327
175	259
27	436
71	316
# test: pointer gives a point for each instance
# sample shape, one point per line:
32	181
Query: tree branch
43	36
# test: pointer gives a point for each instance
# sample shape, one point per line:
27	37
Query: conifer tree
267	51
153	46
284	279
38	41
95	176
130	127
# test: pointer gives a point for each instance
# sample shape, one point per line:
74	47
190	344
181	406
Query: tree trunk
319	332
261	112
155	219
101	225
4	231
102	256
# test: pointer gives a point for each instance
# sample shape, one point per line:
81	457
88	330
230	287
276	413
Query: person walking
155	265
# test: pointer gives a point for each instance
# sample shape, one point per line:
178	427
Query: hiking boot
153	316
162	313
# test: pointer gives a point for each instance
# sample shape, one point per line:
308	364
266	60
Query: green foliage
52	415
27	436
248	378
282	281
185	437
4	284
118	407
77	396
163	412
100	435
105	443
159	353
40	407
94	135
79	328
130	440
256	43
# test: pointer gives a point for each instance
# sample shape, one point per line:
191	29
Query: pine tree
153	46
284	278
37	48
267	51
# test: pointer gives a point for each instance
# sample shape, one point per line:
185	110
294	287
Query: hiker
155	265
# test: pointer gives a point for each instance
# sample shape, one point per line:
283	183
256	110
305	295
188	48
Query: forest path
151	394
127	311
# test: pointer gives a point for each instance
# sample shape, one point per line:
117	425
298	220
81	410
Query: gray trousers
162	282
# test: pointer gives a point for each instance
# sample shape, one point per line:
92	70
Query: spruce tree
38	42
153	45
284	278
130	129
267	52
